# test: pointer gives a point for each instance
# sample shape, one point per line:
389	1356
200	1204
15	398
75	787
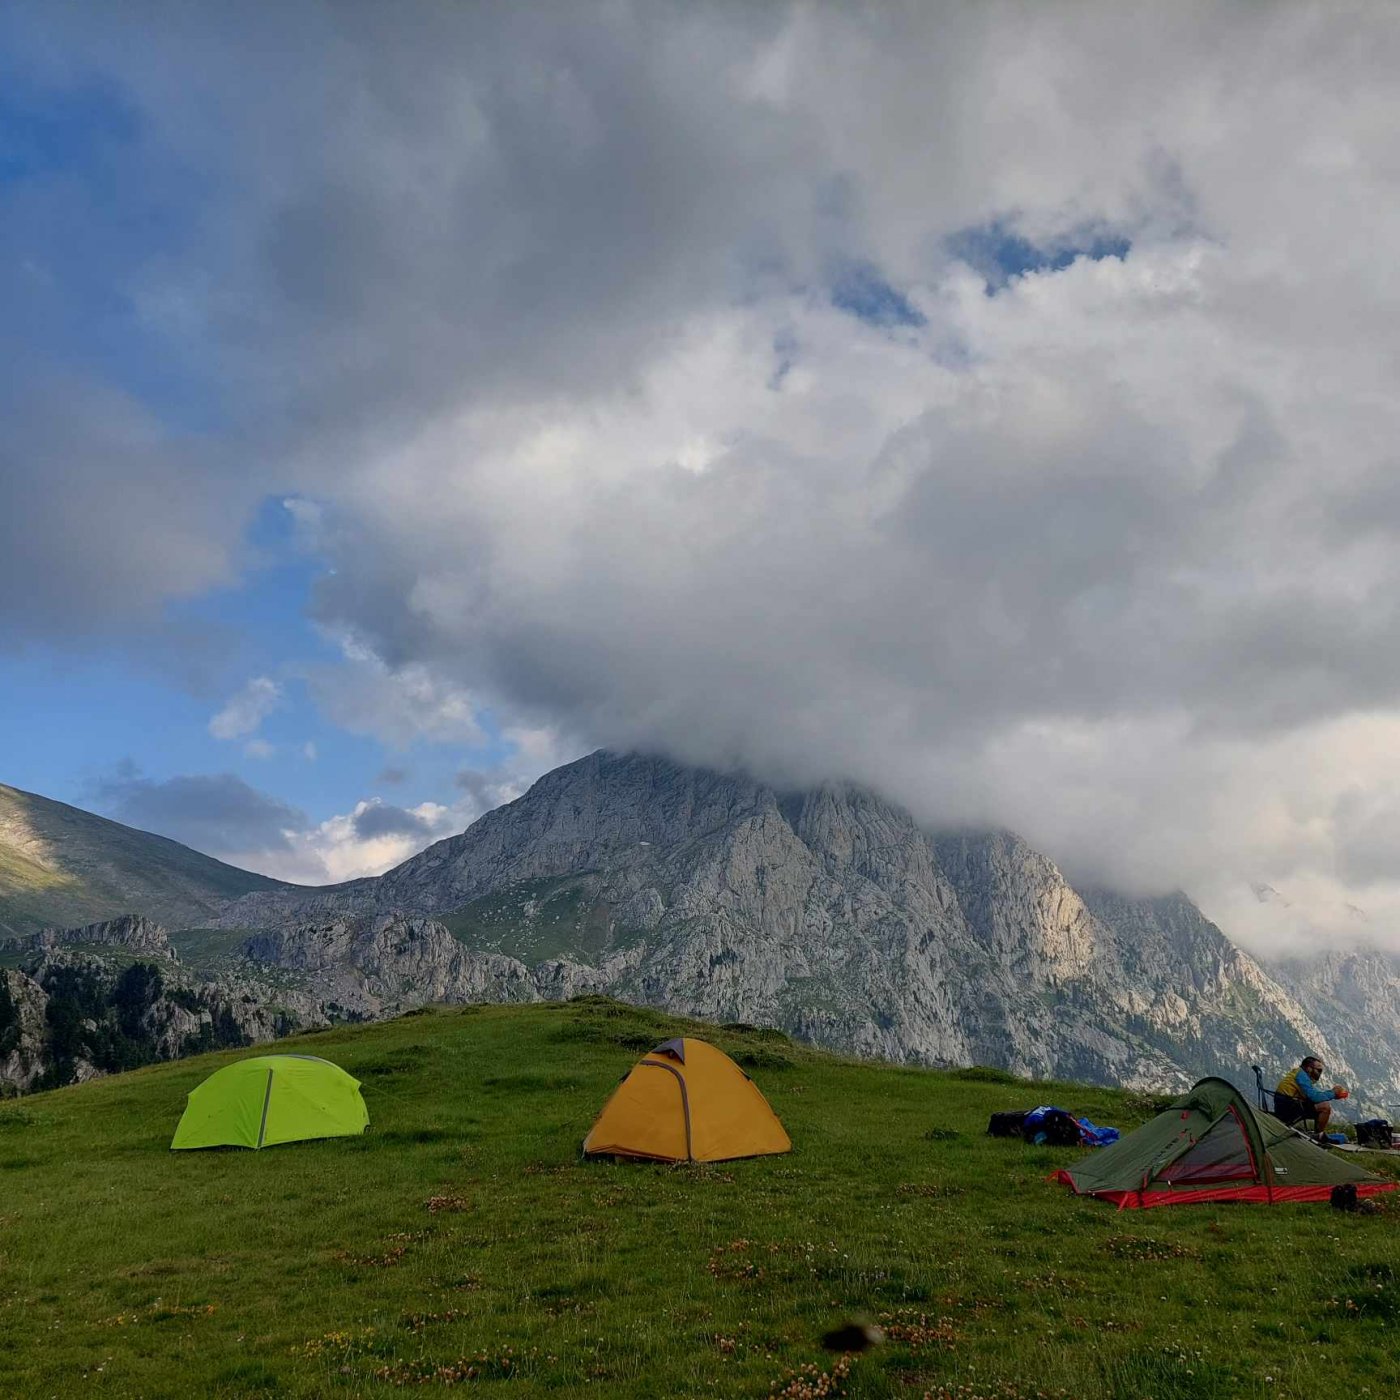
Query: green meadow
463	1244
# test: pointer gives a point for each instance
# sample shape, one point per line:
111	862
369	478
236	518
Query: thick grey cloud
217	813
374	819
551	308
107	515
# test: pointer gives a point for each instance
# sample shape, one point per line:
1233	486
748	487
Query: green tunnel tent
1210	1145
270	1099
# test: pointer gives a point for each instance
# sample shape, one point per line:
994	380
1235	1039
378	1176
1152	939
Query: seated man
1300	1095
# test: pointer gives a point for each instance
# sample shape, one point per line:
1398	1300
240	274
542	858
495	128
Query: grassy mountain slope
462	1238
63	867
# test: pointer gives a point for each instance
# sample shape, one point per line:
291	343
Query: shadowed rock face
828	913
117	1012
376	964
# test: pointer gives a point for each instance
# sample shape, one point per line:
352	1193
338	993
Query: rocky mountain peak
828	912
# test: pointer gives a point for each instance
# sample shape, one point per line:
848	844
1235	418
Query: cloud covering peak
989	404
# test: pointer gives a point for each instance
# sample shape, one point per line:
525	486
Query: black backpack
1007	1124
1374	1132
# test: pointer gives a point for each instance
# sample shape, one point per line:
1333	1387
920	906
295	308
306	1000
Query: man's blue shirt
1315	1093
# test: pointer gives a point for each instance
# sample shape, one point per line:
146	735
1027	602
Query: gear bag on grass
1008	1124
1050	1127
1374	1132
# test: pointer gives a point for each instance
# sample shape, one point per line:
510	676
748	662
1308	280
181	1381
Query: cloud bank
991	404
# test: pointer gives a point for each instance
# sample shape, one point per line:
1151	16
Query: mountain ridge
61	867
828	913
833	915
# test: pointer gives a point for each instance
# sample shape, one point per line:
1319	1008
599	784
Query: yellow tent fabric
685	1101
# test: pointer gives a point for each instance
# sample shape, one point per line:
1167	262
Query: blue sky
145	706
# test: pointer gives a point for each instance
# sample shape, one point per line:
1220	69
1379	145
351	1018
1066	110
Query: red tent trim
1146	1200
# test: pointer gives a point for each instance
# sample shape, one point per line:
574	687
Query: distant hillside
61	867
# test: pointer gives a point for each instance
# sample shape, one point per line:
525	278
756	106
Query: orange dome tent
685	1101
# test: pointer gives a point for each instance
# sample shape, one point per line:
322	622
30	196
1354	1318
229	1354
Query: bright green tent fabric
271	1099
1210	1145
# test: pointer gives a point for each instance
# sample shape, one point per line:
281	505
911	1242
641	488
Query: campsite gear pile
1375	1133
686	1101
1049	1126
1210	1145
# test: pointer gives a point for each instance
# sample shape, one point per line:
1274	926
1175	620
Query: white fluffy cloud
368	840
395	705
244	712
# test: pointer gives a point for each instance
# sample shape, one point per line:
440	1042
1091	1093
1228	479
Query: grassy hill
62	867
462	1243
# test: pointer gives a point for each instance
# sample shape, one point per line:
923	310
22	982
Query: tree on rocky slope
9	1018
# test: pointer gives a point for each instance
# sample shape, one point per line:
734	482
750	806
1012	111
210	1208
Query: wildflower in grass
917	1330
993	1390
161	1311
486	1365
418	1322
1139	1247
343	1343
436	1205
731	1262
391	1256
810	1382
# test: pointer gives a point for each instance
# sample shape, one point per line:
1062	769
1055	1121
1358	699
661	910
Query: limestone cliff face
378	964
102	998
828	913
22	1030
133	931
1354	997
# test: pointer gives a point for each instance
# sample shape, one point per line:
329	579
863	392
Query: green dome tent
271	1099
1210	1145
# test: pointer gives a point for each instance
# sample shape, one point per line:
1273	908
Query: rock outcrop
379	964
74	1014
132	931
22	1031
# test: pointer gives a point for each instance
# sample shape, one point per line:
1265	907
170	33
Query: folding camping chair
1267	1097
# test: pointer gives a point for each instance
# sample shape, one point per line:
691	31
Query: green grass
319	1269
208	949
537	919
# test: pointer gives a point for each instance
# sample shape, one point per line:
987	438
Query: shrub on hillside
985	1074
